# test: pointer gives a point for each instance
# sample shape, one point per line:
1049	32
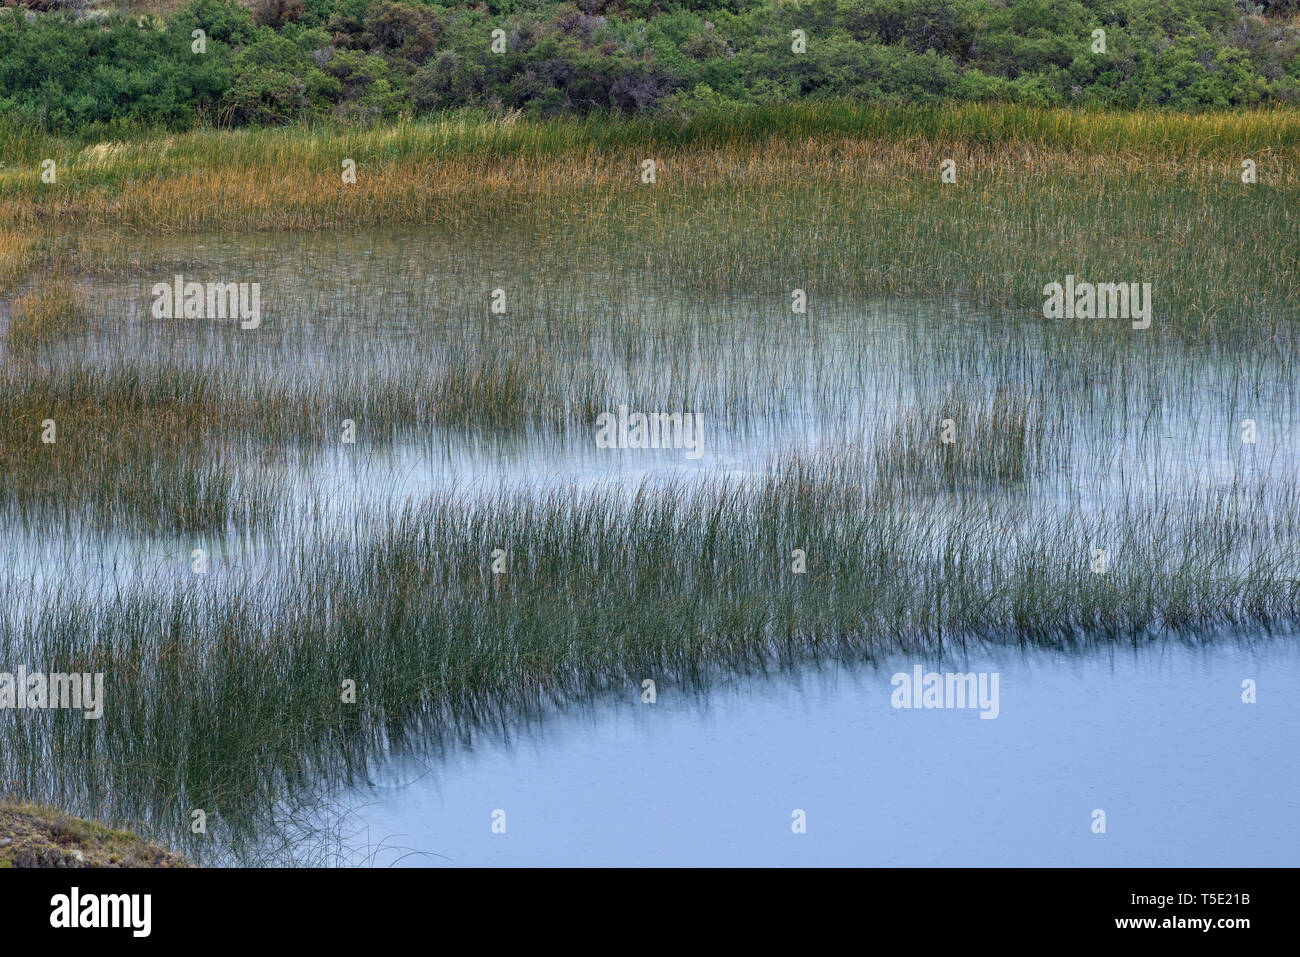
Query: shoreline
33	835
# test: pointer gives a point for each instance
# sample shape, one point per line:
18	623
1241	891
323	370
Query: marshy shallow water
1111	498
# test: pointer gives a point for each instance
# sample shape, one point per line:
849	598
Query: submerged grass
401	357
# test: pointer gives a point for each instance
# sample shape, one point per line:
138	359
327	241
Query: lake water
1157	737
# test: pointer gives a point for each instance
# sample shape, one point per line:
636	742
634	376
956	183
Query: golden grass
463	191
16	249
51	311
459	170
847	199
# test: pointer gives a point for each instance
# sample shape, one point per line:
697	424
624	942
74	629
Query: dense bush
271	61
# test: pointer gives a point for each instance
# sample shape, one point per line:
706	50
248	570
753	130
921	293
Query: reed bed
963	438
124	451
851	197
228	699
1025	397
485	136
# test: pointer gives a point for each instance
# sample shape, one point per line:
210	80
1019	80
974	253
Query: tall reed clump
16	249
963	437
53	310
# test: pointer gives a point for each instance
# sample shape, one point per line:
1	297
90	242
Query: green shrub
289	59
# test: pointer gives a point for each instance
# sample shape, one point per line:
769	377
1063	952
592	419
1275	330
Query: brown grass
52	310
16	249
305	192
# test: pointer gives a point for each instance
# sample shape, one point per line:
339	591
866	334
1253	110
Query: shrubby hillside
67	65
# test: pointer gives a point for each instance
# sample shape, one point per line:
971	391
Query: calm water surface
1157	737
